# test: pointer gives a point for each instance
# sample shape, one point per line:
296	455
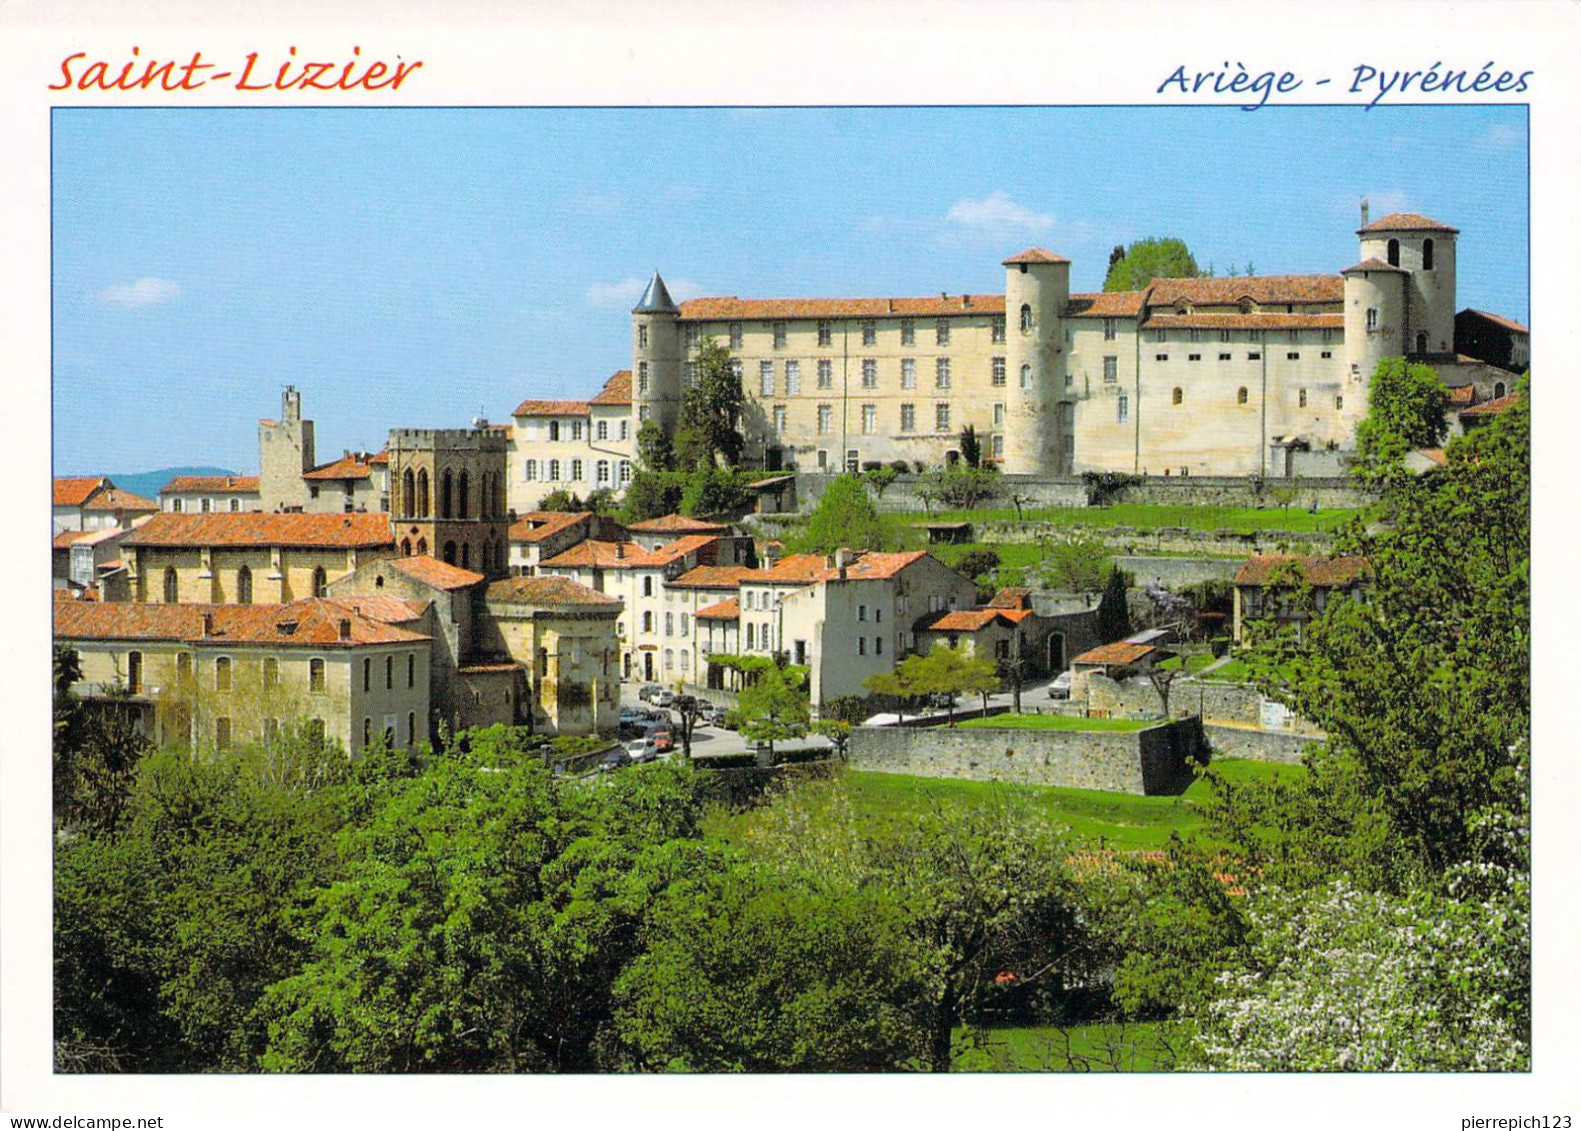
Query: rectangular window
735	335
625	426
941	332
999	415
625	472
996	328
869	333
1194	335
686	624
554	467
861	645
1123	408
222	674
1255	355
869	373
1111	370
878	645
222	733
869	419
825	334
908	373
691	334
1303	400
175	506
826	374
997	372
941	418
134	672
642	387
576	431
1224	357
315	675
205	506
908	331
1160	357
1339	402
779	335
642	336
766	378
576	471
941	372
861	612
908	418
825	419
271	672
367	673
1193	357
554	431
1327	354
998	447
736	371
792	378
779	420
1293	355
669	624
603	429
1108	329
389	673
691	374
411	670
602	472
1224	335
236	505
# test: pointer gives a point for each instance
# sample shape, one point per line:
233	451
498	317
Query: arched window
367	731
172	586
1177	396
421	547
1394	253
1026	376
1026	318
222	674
320	582
464	502
450	553
408	493
422	493
1421	343
244	586
446	490
1240	395
466	555
1427	255
411	727
1498	389
315	675
406	547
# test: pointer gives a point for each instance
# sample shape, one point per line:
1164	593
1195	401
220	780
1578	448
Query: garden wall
1259	745
1174	573
1152	761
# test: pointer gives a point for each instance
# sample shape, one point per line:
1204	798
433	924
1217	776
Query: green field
1077	1048
1055	722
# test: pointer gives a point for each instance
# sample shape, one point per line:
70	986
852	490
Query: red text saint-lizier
256	72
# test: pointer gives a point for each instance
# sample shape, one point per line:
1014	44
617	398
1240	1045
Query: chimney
1364	211
345	628
208	625
966	302
844	557
620	549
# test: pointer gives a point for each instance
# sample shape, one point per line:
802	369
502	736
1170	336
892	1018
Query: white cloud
998	213
147	291
1502	136
629	290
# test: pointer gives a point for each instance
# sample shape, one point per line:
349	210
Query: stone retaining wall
1152	761
1175	573
1259	745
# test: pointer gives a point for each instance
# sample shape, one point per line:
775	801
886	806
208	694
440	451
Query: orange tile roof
547	591
1373	264
313	622
712	577
1462	394
1034	255
1012	597
1406	222
803	569
681	547
963	620
1108	304
597	554
353	466
382	459
792	569
67	537
617	390
720	309
185	483
724	610
73	491
1247	322
1435	454
551	408
256	529
431	571
535	526
390	610
1261	289
1498	319
878	566
1317	570
115	499
1120	652
677	524
1493	407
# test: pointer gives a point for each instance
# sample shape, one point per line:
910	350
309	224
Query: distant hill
148	483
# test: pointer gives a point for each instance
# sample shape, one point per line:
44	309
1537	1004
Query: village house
577	446
203	494
539	535
1268	588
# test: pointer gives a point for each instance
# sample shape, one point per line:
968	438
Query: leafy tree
714	490
971	447
562	500
880	479
601	500
844	517
709	427
1019	499
944	671
773	708
837	731
652	494
95	752
1077	563
1149	259
1114	615
1405	411
962	487
655	448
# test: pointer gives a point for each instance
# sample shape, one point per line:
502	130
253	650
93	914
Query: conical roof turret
656	299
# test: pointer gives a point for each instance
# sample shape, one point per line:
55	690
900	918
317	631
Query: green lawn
1231	671
1055	722
1191	664
1077	1048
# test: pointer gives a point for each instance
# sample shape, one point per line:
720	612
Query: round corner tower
1037	289
1424	250
656	385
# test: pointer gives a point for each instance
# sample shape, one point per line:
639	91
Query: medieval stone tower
285	451
656	382
1037	288
1400	298
447	495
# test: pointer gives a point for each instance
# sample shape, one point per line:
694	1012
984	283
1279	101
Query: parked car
942	700
720	718
647	692
662	697
631	718
642	750
614	760
662	737
1060	688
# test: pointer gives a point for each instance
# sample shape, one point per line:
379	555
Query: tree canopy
844	517
709	428
1405	411
1149	259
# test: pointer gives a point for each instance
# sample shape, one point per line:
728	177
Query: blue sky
410	268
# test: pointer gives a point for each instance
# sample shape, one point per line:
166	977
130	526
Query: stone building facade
1223	376
448	495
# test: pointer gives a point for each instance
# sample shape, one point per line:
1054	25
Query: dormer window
1246	305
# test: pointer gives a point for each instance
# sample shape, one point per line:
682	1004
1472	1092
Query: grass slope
1137	1047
